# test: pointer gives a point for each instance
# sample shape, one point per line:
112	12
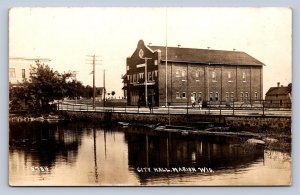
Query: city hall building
215	76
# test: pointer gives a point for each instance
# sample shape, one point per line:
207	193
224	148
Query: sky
69	35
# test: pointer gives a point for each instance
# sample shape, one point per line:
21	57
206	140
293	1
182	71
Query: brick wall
242	79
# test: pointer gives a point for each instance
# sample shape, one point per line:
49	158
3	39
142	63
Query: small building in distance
279	97
19	68
216	76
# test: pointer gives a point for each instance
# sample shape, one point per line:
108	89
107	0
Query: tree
43	86
113	93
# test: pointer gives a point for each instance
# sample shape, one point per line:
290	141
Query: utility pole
93	62
104	90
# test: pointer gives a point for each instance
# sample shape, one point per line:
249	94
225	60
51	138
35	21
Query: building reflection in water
171	150
97	153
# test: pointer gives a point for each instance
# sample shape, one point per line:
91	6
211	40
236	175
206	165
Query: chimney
179	45
278	84
149	44
208	48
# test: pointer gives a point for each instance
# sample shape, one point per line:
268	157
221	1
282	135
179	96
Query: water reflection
171	150
86	154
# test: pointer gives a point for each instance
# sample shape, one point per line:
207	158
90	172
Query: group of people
199	101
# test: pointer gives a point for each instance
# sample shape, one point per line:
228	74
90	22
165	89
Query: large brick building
212	75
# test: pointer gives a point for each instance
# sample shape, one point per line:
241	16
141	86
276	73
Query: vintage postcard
150	96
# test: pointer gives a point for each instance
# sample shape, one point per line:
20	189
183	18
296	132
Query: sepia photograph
164	96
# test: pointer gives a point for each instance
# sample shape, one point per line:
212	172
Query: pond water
82	154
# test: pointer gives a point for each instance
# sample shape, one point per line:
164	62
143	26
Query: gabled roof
278	91
206	56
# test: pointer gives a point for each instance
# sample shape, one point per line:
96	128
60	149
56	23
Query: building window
197	74
183	75
183	95
177	95
155	73
127	67
227	96
229	77
213	76
232	96
246	96
217	96
210	96
256	95
241	96
23	73
149	76
200	95
177	73
134	78
244	77
12	73
141	75
128	77
155	62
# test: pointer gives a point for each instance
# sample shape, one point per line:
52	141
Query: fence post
67	107
73	107
87	107
80	107
125	108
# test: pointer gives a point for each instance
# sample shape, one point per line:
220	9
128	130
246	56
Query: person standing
200	103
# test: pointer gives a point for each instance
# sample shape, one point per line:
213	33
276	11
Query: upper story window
134	78
177	73
213	76
177	95
130	78
12	73
197	75
183	75
23	73
127	67
183	95
155	62
156	73
244	77
149	76
141	75
229	77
